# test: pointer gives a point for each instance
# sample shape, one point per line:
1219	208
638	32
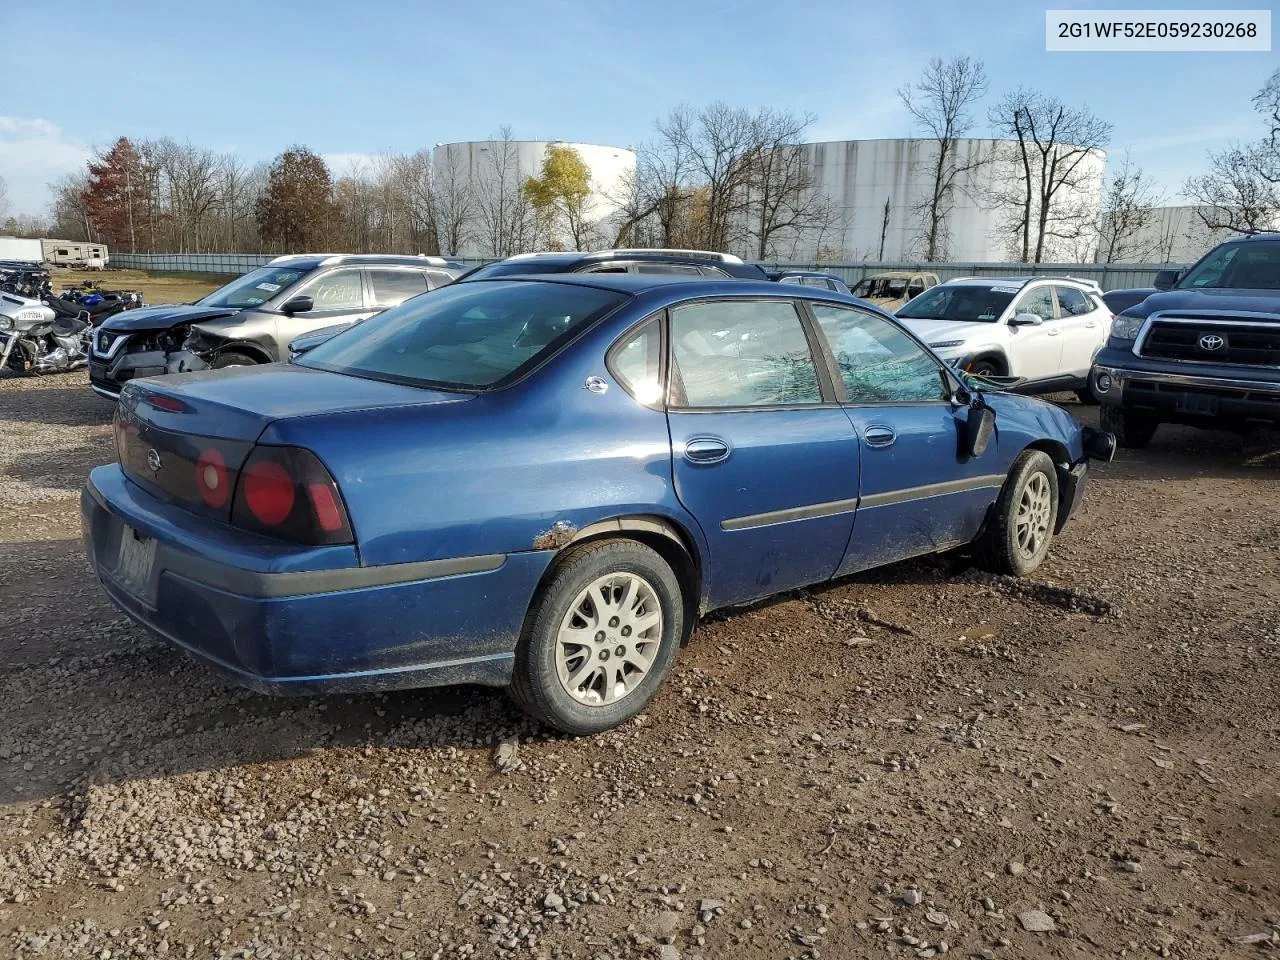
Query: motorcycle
35	338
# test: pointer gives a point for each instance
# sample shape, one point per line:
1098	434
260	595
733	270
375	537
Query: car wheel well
1062	460
249	349
665	538
994	357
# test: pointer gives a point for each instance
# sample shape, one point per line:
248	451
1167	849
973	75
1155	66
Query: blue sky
349	79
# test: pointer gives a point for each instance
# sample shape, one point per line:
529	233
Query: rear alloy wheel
1133	430
1023	519
600	637
232	358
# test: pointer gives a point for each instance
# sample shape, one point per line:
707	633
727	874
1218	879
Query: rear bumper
308	620
1183	393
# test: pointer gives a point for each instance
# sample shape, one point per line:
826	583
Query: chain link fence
1110	276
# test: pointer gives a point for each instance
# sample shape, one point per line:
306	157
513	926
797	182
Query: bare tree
1050	156
940	101
4	198
1241	191
453	201
71	219
503	212
1128	215
783	201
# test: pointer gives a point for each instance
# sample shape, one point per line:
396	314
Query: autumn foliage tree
561	194
297	210
114	192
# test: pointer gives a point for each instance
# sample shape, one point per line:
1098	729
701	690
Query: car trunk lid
185	438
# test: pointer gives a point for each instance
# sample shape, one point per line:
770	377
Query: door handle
1090	324
706	450
879	436
1053	333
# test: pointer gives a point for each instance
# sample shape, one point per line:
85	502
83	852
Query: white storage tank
859	176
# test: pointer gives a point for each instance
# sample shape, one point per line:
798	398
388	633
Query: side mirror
981	425
1027	320
298	304
1166	279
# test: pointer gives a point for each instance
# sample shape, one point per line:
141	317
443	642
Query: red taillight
328	513
169	404
211	478
268	492
287	492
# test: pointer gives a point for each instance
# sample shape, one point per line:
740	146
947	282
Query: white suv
1042	330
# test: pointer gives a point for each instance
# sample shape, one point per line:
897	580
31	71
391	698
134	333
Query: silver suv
254	317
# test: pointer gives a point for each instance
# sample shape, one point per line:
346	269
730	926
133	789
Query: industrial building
878	187
1171	235
494	171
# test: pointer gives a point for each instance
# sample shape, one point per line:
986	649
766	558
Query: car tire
1132	430
983	368
232	358
1086	397
1020	527
550	661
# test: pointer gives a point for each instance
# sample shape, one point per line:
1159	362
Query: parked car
541	483
1203	349
691	264
1118	301
891	290
253	318
1041	331
808	278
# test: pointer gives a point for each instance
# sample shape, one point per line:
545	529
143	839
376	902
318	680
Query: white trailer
75	253
18	248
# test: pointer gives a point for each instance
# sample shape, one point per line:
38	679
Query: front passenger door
1082	330
338	296
763	457
1035	352
919	491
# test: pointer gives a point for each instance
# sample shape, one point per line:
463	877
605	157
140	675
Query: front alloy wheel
1022	520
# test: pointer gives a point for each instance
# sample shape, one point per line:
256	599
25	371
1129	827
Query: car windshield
253	288
468	335
1249	265
888	288
968	303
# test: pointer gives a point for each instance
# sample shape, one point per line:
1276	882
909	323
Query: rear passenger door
764	457
1083	331
1035	352
919	491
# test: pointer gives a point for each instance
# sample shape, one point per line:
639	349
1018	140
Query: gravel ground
919	761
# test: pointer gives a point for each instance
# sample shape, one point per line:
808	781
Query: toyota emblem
153	460
1211	341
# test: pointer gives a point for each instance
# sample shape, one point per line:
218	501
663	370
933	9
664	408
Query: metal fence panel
1111	276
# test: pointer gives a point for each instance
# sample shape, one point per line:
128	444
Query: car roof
309	261
1090	285
637	284
894	275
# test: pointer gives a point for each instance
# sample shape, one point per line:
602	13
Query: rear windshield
253	288
969	303
466	335
510	268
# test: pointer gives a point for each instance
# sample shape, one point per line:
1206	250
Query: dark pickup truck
1202	349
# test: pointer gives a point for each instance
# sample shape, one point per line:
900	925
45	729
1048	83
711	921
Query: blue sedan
542	482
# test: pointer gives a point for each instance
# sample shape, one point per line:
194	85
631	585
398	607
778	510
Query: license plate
1197	403
133	564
